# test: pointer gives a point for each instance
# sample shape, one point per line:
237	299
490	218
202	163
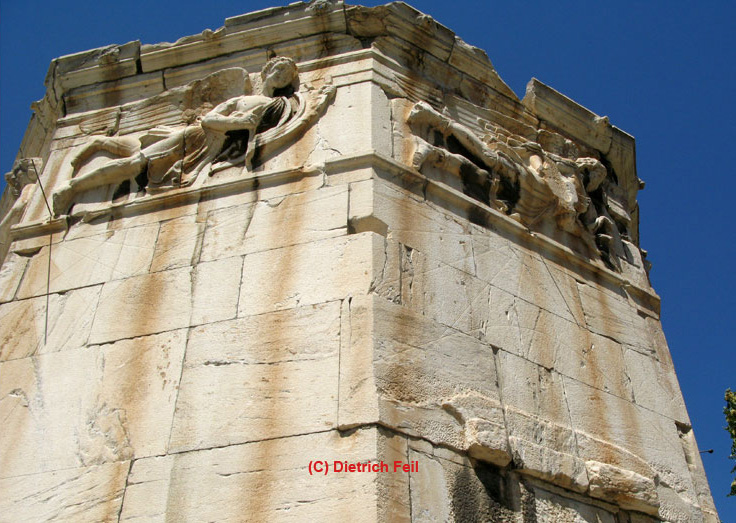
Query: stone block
552	507
215	290
124	410
531	277
269	478
262	188
572	118
97	65
447	295
311	273
609	312
89	261
475	62
92	493
259	377
11	273
177	244
116	92
358	399
127	219
510	326
654	387
592	359
627	489
142	305
404	21
23	329
361	206
366	106
277	222
608	427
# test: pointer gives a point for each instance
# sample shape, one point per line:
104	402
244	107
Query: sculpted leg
114	171
116	146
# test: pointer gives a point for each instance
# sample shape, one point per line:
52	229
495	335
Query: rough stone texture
112	403
372	251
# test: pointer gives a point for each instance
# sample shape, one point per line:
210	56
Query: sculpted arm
234	115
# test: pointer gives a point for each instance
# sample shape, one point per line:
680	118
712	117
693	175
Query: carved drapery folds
547	186
219	130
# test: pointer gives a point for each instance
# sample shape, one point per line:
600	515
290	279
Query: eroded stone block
123	411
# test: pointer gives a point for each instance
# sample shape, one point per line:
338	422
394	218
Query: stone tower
322	263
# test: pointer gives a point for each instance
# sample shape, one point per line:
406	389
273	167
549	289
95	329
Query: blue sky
663	71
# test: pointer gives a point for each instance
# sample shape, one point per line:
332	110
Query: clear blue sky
664	71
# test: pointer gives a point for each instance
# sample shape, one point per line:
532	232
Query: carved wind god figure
228	135
523	180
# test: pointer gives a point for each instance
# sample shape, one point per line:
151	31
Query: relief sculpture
212	139
527	182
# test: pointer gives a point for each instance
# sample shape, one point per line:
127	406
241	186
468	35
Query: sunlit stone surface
329	233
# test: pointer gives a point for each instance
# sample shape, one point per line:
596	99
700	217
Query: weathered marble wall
186	352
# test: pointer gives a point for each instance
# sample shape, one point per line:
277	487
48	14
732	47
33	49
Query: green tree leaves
730	411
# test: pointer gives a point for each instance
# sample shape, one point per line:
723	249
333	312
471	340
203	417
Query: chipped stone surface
123	410
628	489
457	489
553	508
